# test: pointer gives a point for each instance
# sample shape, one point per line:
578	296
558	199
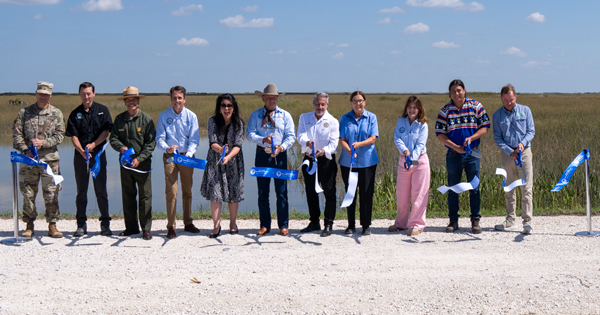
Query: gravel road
549	272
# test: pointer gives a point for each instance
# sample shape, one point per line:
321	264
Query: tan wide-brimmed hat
270	89
44	87
130	91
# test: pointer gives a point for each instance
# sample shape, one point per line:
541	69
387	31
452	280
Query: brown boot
28	230
52	231
475	228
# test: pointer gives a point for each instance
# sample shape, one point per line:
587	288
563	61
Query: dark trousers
365	187
327	170
82	179
129	181
455	164
263	159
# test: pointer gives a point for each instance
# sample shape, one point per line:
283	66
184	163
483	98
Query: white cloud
416	28
456	4
196	41
330	44
514	51
339	55
343	45
250	8
37	16
395	52
531	64
183	11
444	45
281	52
101	5
536	17
30	2
384	21
392	10
239	21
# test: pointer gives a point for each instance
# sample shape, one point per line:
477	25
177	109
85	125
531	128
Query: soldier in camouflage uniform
42	126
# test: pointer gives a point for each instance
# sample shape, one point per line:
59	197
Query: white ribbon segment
318	188
518	182
352	183
460	187
56	178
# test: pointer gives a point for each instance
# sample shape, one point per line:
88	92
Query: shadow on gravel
74	240
298	238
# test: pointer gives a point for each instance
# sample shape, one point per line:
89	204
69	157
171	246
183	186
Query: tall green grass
565	124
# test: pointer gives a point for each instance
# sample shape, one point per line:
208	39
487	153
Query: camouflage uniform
47	125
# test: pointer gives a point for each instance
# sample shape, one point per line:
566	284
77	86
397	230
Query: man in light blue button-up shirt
177	129
513	133
267	125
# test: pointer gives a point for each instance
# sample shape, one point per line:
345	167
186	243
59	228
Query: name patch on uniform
520	114
121	129
169	121
79	116
402	130
139	129
100	113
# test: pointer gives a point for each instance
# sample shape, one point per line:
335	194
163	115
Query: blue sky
302	46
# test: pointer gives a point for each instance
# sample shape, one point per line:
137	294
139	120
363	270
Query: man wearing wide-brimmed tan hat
42	126
267	125
135	129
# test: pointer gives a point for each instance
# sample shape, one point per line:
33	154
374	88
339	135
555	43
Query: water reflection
66	197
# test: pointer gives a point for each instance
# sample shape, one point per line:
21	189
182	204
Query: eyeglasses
226	105
358	102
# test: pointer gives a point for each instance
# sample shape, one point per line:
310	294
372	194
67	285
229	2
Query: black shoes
216	234
326	231
81	230
452	227
366	231
350	231
105	230
129	232
311	227
475	228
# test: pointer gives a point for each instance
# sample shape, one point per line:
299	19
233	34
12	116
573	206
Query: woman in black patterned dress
223	181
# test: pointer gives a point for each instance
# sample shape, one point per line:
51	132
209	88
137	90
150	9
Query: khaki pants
513	173
187	180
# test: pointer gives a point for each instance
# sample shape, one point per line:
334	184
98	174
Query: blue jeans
263	159
455	164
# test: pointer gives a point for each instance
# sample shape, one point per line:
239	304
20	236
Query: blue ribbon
96	168
519	162
223	153
126	158
468	150
24	159
273	173
352	158
87	159
314	160
187	161
566	176
33	150
407	163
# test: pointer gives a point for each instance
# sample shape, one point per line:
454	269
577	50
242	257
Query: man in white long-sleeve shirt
177	129
321	130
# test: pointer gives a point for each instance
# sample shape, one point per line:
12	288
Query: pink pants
413	184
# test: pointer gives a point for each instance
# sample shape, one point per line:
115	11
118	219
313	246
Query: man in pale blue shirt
513	133
267	125
177	129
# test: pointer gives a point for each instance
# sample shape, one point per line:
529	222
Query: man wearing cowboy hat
135	129
42	126
268	125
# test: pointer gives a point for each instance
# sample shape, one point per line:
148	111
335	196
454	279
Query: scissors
519	162
34	152
223	154
273	149
469	151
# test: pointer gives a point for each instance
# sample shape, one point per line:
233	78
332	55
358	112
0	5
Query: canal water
66	198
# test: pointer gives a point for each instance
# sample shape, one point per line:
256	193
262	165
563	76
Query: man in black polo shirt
88	126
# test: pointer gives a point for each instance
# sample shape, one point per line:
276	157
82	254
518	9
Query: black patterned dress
224	183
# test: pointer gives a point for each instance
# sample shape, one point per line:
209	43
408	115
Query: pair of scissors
273	149
34	152
223	154
519	162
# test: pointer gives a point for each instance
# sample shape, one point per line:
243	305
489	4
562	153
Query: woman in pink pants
413	179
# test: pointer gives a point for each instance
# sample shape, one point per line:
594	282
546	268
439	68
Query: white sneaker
527	229
504	226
